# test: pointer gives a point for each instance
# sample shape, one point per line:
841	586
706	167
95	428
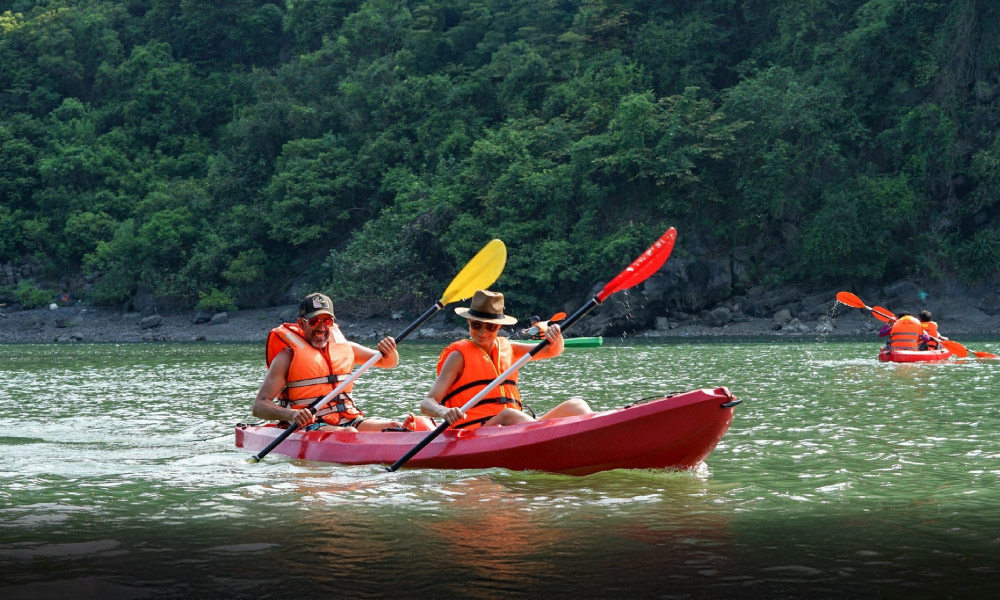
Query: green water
840	477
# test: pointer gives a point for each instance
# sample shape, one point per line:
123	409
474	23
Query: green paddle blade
478	274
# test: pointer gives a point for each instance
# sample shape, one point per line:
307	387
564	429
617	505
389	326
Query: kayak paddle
641	269
883	314
479	273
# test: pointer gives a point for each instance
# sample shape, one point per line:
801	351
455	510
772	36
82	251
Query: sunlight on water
839	476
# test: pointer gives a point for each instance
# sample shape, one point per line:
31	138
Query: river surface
840	477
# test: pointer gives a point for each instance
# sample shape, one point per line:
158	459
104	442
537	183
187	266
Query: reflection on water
840	477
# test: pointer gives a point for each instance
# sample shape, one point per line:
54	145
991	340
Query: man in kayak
467	366
307	360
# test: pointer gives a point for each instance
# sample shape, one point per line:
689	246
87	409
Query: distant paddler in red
539	327
467	366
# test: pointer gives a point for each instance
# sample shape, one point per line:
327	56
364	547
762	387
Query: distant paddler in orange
931	329
885	315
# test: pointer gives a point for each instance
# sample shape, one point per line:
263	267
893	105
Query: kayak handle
731	404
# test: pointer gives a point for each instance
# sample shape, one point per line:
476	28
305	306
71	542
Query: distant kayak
886	355
576	342
675	432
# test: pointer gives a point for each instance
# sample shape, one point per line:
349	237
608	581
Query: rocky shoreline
776	314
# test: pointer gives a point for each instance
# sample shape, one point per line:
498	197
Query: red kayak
675	432
886	355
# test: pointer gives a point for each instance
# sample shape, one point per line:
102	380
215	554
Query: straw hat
487	307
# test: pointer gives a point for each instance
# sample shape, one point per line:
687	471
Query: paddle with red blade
883	314
641	269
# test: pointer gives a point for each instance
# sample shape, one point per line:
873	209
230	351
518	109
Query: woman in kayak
467	366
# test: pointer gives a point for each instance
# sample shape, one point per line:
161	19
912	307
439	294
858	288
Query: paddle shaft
493	384
321	402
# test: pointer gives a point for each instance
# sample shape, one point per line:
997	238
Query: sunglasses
325	319
487	326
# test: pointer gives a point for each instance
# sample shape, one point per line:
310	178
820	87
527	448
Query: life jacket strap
474	384
331	379
500	400
343	403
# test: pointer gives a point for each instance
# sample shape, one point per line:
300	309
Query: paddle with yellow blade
883	314
479	273
641	269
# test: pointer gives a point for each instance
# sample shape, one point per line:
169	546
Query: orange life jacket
542	327
930	327
905	334
314	373
480	369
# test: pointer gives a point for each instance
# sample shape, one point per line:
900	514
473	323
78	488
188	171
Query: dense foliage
230	153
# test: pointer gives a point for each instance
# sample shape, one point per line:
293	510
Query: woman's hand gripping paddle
479	273
884	315
641	269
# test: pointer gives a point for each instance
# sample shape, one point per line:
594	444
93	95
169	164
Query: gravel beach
69	324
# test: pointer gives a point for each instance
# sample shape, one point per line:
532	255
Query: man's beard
319	340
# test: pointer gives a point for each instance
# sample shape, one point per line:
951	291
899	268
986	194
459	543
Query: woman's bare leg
569	408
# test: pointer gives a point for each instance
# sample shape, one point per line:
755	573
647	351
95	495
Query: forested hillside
226	154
